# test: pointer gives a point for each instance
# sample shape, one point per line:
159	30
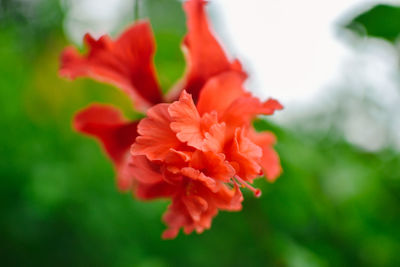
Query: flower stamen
257	192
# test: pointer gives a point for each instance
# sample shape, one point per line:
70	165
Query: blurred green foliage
334	205
381	21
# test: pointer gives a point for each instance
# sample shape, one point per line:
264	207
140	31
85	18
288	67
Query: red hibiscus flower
199	155
198	150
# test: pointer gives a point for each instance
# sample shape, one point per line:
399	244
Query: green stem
136	10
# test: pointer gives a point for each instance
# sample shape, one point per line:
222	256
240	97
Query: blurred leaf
381	21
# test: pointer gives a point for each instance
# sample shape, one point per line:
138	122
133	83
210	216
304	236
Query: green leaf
381	21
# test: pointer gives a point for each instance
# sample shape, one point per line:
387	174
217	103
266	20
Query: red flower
200	154
197	150
128	64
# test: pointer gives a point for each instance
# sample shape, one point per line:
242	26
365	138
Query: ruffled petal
126	63
245	156
153	191
204	222
212	165
175	217
174	162
270	162
186	121
156	137
116	135
228	199
144	171
148	181
214	139
195	205
203	133
190	212
204	55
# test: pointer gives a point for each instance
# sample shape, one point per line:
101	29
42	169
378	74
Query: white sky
291	46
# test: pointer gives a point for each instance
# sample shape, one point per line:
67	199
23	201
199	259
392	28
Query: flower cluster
196	146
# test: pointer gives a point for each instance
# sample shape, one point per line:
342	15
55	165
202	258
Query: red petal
107	124
175	161
228	199
195	205
214	138
170	233
186	121
243	110
126	63
203	133
199	176
145	171
175	217
156	138
220	91
204	55
153	191
270	162
247	156
212	165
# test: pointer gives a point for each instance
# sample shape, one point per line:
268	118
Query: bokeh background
334	66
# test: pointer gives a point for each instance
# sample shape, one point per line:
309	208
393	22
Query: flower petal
145	171
194	208
177	159
154	191
220	91
228	199
212	165
116	135
148	180
214	138
204	55
186	121
195	205
246	155
156	137
199	176
243	110
174	162
270	162
175	217
203	133
126	63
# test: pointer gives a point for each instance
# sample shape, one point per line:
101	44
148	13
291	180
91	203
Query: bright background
335	70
